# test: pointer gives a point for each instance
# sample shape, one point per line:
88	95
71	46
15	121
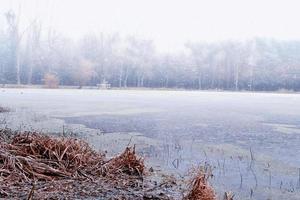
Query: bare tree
34	49
15	38
13	22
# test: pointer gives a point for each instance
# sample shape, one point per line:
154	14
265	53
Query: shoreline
22	86
42	87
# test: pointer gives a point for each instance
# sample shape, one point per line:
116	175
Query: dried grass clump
39	157
200	188
127	163
33	156
39	165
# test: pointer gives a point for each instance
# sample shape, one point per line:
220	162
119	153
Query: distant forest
32	55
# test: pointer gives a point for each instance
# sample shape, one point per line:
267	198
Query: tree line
31	55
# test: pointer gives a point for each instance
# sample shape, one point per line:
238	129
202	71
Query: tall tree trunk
126	77
18	64
29	80
213	77
142	81
30	65
199	82
236	77
167	82
251	77
120	77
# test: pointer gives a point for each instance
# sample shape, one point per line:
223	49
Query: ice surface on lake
177	129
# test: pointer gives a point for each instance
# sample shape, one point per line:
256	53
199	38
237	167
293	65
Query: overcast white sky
169	22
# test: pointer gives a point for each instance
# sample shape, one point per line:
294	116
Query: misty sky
169	22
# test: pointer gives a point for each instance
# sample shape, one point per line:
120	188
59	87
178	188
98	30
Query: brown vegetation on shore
36	166
200	188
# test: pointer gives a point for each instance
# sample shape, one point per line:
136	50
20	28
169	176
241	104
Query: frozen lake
251	141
